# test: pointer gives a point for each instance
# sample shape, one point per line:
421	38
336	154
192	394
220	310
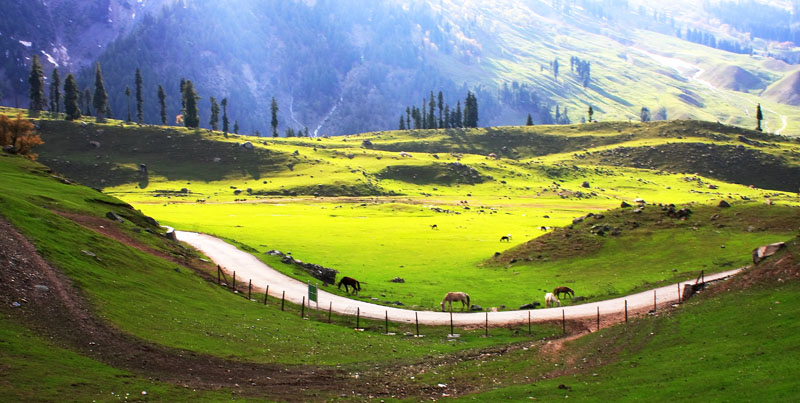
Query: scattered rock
532	305
398	280
723	204
247	145
585	184
625	205
114	216
475	307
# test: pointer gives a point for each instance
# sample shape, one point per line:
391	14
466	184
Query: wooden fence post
626	311
358	317
283	299
330	309
303	308
387	322
234	280
249	288
679	293
266	294
219	281
529	322
655	304
563	321
451	321
598	317
487	325
416	319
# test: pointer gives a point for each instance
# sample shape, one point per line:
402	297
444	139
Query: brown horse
456	296
565	291
351	282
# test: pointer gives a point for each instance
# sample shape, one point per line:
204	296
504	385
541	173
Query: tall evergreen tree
431	112
55	92
408	118
100	99
274	122
214	121
139	97
529	122
644	115
590	112
236	127
225	115
183	98
440	104
471	110
71	95
87	99
191	118
128	98
162	101
447	116
759	117
36	81
458	118
402	125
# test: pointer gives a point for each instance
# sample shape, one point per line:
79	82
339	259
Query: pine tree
590	112
55	92
424	122
432	112
471	110
441	109
87	99
183	98
759	117
191	118
458	120
71	95
139	97
214	121
402	125
100	98
236	127
162	101
36	81
128	98
408	118
446	116
225	115
274	110
305	131
529	122
644	115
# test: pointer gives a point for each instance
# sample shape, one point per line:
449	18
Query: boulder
171	236
10	149
585	184
398	280
723	204
625	205
763	252
532	305
247	145
114	216
475	308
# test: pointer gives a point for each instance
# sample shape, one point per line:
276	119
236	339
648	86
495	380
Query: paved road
248	267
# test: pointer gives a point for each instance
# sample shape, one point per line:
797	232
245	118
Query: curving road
248	267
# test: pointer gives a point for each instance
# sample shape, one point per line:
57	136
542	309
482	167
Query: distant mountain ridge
340	68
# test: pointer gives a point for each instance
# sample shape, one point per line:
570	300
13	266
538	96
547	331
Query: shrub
19	133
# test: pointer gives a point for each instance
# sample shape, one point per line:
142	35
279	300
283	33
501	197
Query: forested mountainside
344	67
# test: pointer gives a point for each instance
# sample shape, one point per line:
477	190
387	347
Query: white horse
456	296
550	299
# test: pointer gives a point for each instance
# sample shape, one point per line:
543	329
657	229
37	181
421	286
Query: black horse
564	291
351	282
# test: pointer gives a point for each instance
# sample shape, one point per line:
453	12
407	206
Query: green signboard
312	293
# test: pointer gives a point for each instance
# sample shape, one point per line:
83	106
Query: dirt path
248	267
50	304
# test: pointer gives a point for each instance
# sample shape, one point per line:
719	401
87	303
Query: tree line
426	116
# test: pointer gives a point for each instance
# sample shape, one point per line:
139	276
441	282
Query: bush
18	136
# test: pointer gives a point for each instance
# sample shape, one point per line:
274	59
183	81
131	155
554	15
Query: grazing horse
456	296
506	238
550	299
349	281
564	290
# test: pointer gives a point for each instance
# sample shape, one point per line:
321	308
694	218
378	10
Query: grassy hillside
365	204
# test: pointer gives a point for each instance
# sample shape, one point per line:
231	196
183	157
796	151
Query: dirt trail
51	305
248	267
